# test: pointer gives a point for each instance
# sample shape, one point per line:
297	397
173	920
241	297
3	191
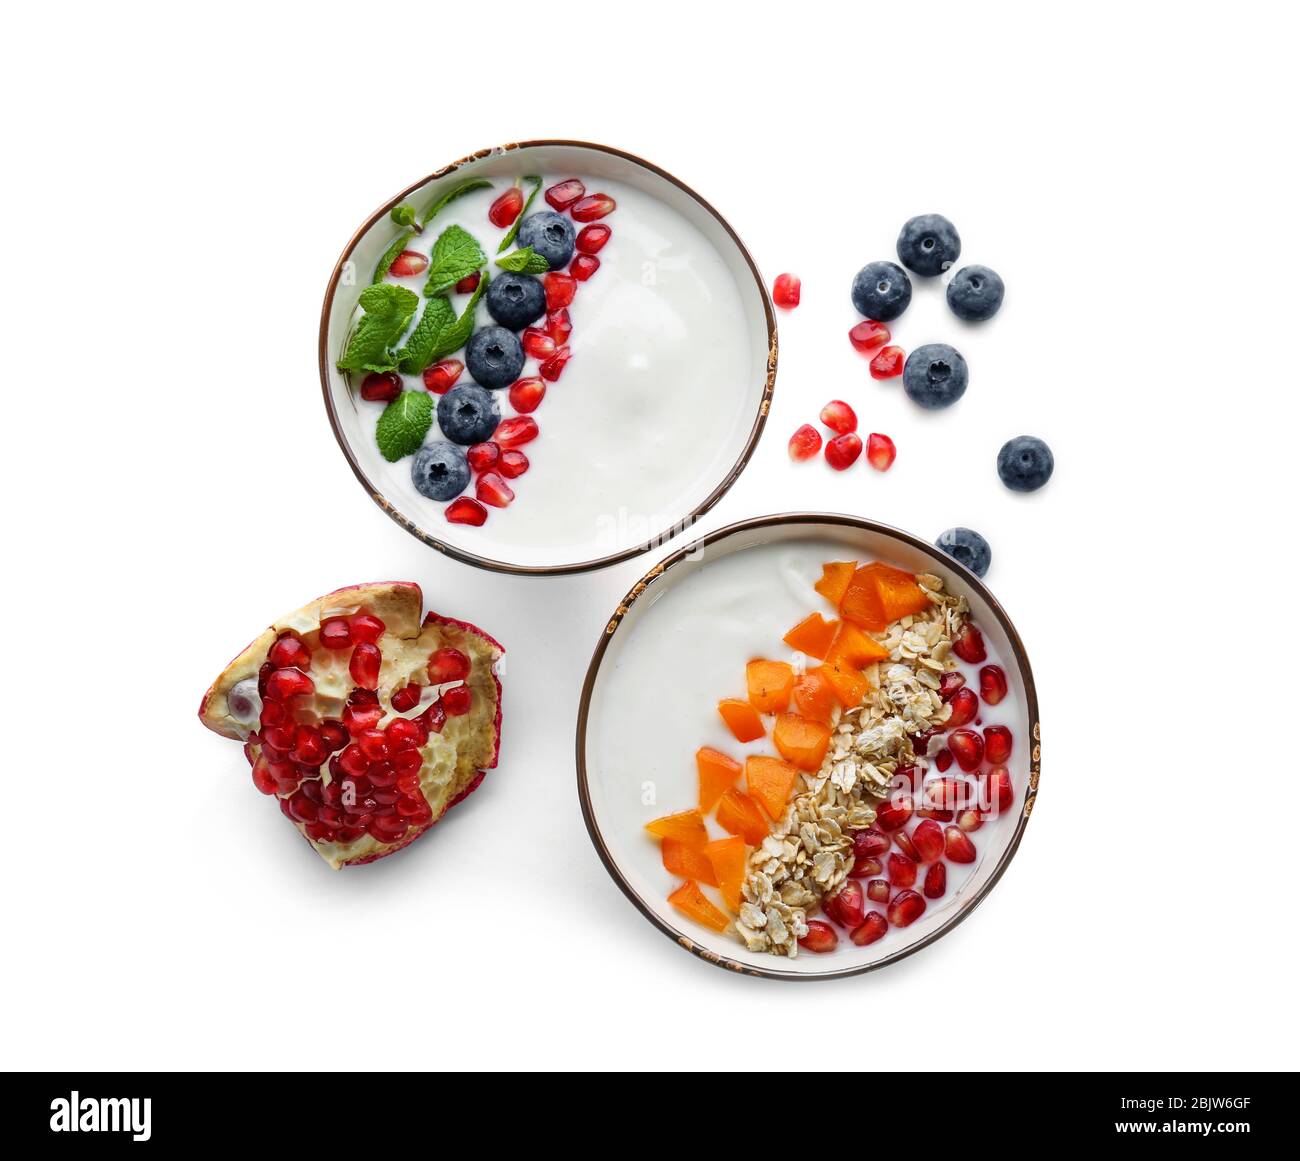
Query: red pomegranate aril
869	843
538	344
443	375
274	713
865	868
333	735
839	417
366	628
469	283
313	788
361	717
262	776
878	891
434	718
805	443
906	908
894	812
842	451
593	206
591	239
374	745
336	633
286	683
821	937
563	194
464	510
928	840
381	386
492	489
584	266
308	747
943	760
483	456
934	812
289	653
559	326
881	451
936	881
872	927
352	761
847	905
993	684
406	698
302	808
950	683
382	775
997	744
320	832
969	644
906	780
902	870
513	464
364	665
947	793
515	432
447	664
968	748
401	734
262	674
503	211
408	263
903	841
887	364
785	291
999	794
964	707
869	336
407	763
386	828
456	700
970	819
553	368
560	289
411	810
957	846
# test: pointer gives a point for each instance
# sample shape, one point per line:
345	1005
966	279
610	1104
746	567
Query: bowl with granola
546	357
808	745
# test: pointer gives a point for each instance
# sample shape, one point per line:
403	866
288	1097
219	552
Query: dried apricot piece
900	595
853	648
728	858
836	575
813	697
740	814
861	602
800	741
718	773
686	826
813	635
769	683
687	861
849	684
769	782
690	901
742	719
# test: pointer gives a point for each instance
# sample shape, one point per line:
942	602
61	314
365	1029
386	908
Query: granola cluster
809	853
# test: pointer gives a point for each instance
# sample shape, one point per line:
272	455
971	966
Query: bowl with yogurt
807	745
547	357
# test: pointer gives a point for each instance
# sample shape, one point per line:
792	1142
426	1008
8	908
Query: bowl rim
486	562
809	519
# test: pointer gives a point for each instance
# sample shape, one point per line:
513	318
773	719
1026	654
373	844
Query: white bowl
556	524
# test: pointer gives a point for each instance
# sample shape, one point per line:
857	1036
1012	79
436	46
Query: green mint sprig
388	311
509	239
404	424
404	215
456	255
457	191
524	261
439	332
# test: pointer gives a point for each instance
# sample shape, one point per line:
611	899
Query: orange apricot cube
718	773
850	685
900	595
740	814
770	683
687	861
800	741
836	575
687	826
769	782
742	719
728	858
853	648
861	602
690	901
814	698
813	636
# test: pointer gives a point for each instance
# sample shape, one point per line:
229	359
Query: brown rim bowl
628	753
613	527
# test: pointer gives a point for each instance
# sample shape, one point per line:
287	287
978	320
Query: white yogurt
649	412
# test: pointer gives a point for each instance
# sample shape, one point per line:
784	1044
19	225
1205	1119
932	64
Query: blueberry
550	235
1025	463
881	291
975	293
494	356
440	470
515	300
928	244
968	548
467	414
935	376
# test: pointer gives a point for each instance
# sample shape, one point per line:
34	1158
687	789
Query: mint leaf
404	424
457	191
508	240
456	255
439	332
389	256
525	261
403	216
388	311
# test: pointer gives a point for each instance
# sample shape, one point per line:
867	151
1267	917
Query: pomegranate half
366	722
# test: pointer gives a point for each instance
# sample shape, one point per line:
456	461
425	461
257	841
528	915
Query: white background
177	190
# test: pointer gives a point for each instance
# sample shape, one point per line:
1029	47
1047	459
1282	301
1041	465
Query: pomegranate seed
906	908
361	717
262	776
868	843
593	206
559	326
333	734
286	683
878	891
386	828
308	749
894	812
993	684
839	417
998	791
463	510
407	763
957	846
554	366
997	744
336	633
947	793
964	706
842	451
950	683
402	735
888	363
902	870
785	291
526	395
408	263
301	808
821	937
448	664
969	644
434	718
865	868
503	211
513	463
904	843
469	283
274	713
936	881
381	387
517	431
493	490
970	820
456	700
364	665
869	336
943	760
406	698
584	266
366	628
563	194
869	930
538	343
289	653
928	840
907	779
805	443
968	748
880	451
483	456
442	376
373	744
846	906
560	289
934	812
592	239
